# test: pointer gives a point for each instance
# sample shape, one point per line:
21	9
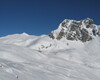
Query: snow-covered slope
27	57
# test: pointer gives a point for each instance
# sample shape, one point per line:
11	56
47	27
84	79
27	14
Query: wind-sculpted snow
27	57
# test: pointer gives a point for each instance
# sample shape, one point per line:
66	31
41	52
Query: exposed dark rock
51	36
71	36
88	22
76	30
73	27
63	24
85	35
61	34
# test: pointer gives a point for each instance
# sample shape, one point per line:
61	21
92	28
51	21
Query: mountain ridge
28	57
83	30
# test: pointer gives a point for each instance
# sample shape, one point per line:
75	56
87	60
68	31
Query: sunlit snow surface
26	57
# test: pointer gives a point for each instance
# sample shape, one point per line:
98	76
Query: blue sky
38	17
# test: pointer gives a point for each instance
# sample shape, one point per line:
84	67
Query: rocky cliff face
83	30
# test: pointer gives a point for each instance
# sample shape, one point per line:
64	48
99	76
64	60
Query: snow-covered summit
25	34
83	30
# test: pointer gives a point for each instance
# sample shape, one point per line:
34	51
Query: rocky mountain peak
83	30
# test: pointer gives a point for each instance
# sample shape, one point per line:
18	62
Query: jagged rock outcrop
83	30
